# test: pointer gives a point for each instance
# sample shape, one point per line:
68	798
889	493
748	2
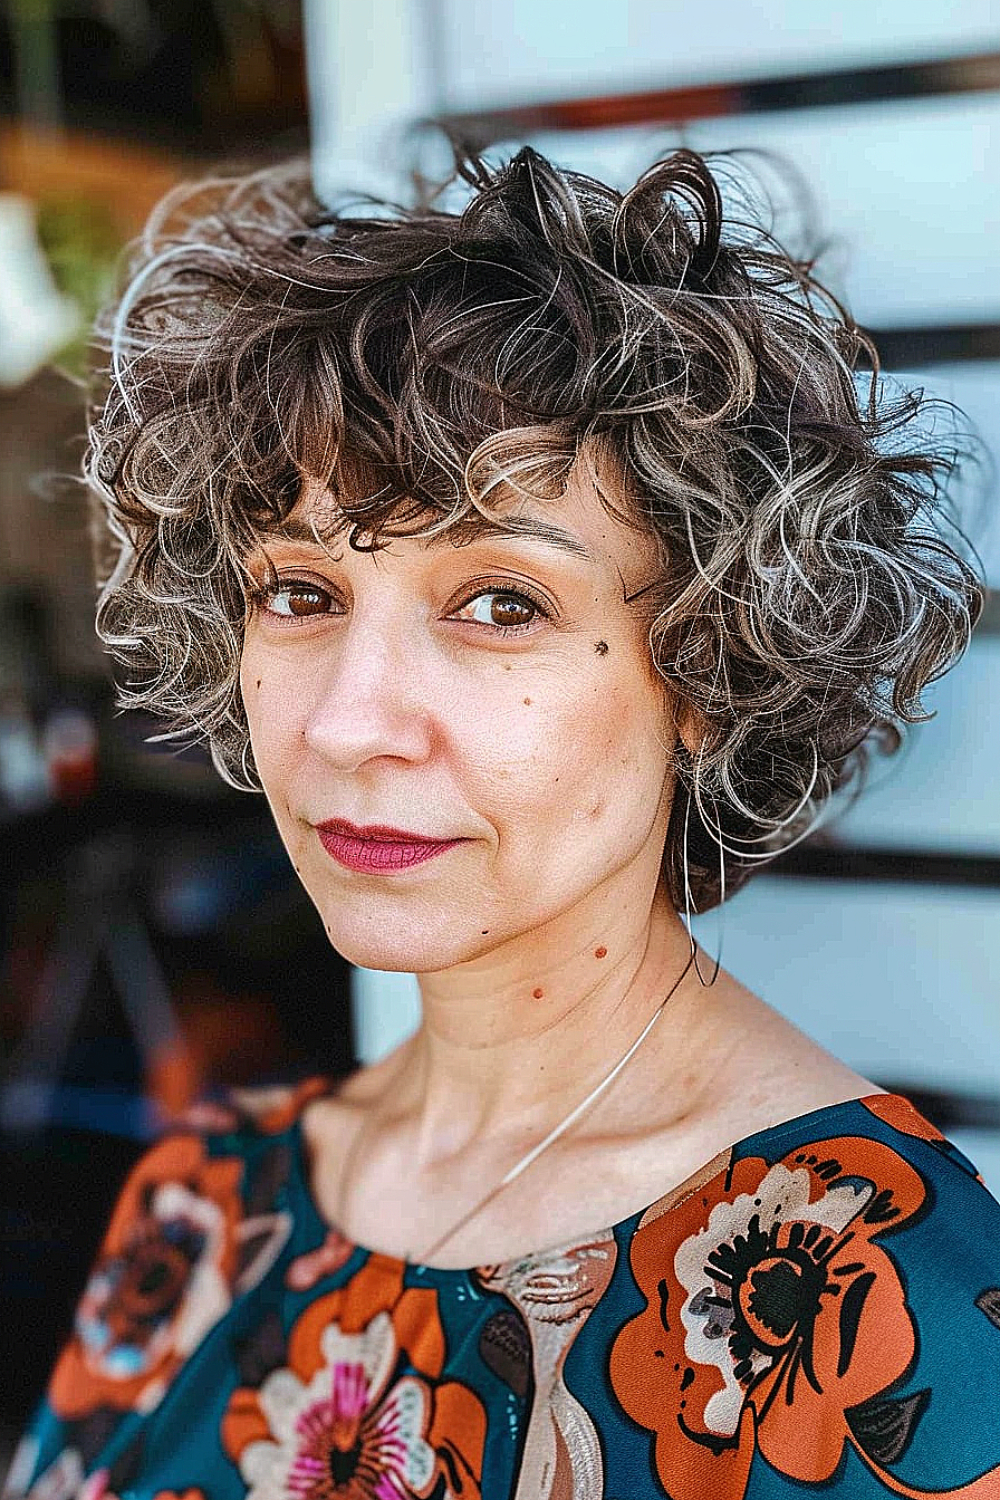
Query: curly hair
423	364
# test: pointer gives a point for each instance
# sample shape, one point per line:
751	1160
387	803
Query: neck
504	1049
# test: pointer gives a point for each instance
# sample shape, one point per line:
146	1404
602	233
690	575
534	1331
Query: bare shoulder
330	1121
769	1070
740	1068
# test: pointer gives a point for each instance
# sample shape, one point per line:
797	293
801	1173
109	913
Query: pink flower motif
305	1270
95	1487
343	1433
334	1434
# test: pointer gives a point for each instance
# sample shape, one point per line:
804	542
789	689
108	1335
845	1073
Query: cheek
629	747
251	689
628	772
588	755
267	712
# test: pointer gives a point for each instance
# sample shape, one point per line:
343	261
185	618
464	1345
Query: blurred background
154	945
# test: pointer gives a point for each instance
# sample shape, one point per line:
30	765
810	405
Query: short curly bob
806	593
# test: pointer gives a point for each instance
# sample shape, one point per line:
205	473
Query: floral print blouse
816	1312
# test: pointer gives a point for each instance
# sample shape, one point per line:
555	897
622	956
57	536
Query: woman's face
500	694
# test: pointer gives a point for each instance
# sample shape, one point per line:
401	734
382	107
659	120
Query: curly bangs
425	366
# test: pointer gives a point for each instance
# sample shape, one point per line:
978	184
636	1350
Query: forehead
576	523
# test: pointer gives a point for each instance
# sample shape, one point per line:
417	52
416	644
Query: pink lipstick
377	849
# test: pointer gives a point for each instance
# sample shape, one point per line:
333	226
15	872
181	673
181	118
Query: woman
544	567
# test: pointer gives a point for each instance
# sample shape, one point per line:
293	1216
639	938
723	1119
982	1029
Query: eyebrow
472	529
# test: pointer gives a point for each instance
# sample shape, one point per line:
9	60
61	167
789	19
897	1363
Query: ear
688	725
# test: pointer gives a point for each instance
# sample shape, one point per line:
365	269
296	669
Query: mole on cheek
537	994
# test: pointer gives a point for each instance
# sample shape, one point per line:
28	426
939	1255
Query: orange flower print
96	1488
898	1112
306	1270
275	1109
770	1312
64	1480
339	1423
903	1116
169	1268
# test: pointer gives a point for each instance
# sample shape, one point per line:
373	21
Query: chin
418	952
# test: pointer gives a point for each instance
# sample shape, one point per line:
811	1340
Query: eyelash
263	597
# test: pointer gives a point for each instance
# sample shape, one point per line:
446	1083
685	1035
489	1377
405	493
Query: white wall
941	791
497	50
905	190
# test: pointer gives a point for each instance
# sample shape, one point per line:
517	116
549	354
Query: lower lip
380	856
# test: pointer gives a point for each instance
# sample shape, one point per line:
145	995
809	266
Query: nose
369	701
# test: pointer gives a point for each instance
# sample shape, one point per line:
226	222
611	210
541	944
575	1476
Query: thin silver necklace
553	1135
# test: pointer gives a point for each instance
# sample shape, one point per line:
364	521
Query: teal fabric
816	1312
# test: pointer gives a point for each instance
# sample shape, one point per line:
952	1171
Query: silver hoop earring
688	904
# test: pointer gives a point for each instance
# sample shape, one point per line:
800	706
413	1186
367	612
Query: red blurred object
70	747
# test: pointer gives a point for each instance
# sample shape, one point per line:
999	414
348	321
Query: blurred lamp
35	320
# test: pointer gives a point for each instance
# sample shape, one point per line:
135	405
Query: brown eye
503	610
297	601
510	609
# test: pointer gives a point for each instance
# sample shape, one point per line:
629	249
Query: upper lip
376	831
